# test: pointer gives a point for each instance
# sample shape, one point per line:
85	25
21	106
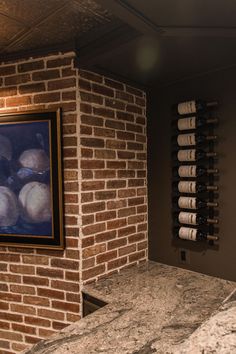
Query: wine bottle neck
212	170
212	238
211	137
211	154
212	120
211	204
212	221
212	188
212	104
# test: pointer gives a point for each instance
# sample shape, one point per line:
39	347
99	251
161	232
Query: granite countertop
153	308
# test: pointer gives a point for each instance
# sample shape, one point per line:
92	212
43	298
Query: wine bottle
194	155
193	203
194	139
192	187
188	233
193	106
195	219
195	171
194	122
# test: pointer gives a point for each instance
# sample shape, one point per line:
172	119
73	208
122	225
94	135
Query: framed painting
31	198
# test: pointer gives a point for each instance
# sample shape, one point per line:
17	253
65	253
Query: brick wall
113	171
104	152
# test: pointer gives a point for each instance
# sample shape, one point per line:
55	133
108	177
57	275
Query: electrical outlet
184	256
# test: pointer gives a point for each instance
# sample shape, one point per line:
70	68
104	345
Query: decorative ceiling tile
9	29
29	11
49	22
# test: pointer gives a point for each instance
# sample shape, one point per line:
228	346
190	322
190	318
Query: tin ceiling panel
9	29
33	24
29	11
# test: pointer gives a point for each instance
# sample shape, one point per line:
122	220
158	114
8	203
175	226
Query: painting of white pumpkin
35	202
9	208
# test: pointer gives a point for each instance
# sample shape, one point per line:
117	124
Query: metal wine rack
209	163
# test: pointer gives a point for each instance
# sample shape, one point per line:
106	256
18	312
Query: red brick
64	264
115	104
126	231
58	326
116	184
105	195
30	66
22	269
116	164
10	278
135	201
105	236
36	301
45	75
127	250
91	76
65	285
134	91
10	297
8	91
115	224
54	315
7	70
93	272
92	164
126	212
105	154
65	306
85	108
93	185
84	85
103	174
36	321
127	155
88	263
103	90
104	132
117	263
124	96
92	142
23	328
18	101
32	259
11	317
125	135
36	280
117	243
136	256
114	84
91	98
17	79
115	144
93	229
105	257
47	97
106	215
125	116
61	84
53	63
29	310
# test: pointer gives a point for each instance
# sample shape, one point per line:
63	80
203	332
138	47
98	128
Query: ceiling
34	24
152	42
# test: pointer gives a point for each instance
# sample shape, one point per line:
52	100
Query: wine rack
194	166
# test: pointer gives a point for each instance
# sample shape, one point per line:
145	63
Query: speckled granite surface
153	308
